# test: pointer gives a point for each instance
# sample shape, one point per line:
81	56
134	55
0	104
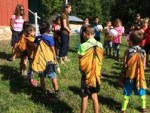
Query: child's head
135	38
117	23
109	23
86	20
96	20
144	23
44	27
57	20
132	27
26	23
29	30
88	32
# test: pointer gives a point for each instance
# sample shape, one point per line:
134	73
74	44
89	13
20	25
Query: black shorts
147	48
15	37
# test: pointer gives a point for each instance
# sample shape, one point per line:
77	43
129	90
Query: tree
50	7
87	8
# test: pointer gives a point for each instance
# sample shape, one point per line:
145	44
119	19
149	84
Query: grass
16	96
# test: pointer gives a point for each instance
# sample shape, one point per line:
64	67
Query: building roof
71	18
75	19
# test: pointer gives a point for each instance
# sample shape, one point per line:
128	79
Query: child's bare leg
84	104
42	81
95	102
55	84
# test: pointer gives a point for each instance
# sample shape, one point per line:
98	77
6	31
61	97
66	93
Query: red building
7	8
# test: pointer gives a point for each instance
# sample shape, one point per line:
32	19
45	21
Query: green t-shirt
88	44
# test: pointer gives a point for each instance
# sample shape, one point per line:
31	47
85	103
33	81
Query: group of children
41	53
111	42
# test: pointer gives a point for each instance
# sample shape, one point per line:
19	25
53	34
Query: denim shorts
129	87
50	75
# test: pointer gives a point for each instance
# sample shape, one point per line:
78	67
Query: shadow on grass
112	79
111	103
4	55
18	84
51	102
73	50
16	81
75	90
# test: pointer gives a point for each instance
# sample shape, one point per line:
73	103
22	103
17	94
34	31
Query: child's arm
54	53
125	58
144	61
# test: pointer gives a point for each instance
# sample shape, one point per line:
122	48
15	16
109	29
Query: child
85	23
147	42
49	57
117	39
133	76
132	28
29	32
98	29
143	27
56	29
90	59
107	39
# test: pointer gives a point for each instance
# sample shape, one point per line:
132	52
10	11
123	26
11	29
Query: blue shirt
49	40
97	33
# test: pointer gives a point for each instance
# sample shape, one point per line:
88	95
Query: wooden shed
7	8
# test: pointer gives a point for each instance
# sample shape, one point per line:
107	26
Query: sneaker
33	82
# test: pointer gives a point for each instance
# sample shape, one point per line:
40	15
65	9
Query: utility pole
66	1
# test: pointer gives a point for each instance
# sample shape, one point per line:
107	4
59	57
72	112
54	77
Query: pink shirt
117	39
18	23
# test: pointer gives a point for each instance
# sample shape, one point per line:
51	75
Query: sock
124	103
143	101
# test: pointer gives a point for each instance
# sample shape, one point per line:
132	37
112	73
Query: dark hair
136	37
44	27
88	30
65	7
25	24
18	9
85	18
27	29
96	17
57	18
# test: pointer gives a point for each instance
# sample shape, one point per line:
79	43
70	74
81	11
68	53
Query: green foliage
50	7
87	8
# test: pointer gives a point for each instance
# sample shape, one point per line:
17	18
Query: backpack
43	54
134	67
90	66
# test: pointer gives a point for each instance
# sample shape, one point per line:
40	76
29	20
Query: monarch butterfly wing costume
43	54
90	64
135	70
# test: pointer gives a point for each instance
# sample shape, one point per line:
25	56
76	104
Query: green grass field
17	96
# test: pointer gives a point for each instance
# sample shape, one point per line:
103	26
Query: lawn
17	96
